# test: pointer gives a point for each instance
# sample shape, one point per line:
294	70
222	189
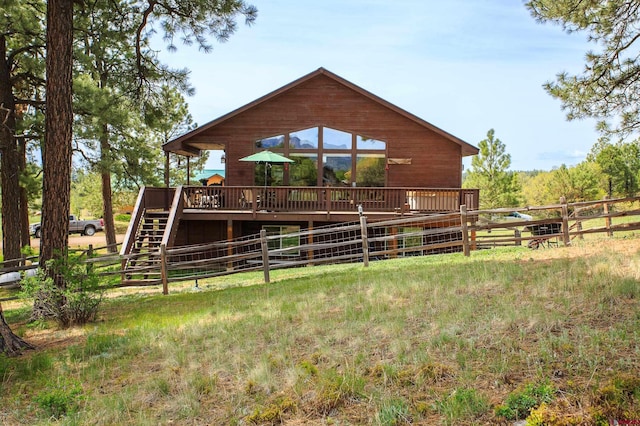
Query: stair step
151	232
156	216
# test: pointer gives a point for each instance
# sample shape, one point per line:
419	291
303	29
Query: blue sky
465	66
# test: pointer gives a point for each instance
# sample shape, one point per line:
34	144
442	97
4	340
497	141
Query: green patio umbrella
267	157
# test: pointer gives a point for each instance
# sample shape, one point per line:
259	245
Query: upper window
269	143
336	139
363	142
304	139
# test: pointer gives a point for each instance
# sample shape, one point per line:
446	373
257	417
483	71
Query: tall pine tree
490	173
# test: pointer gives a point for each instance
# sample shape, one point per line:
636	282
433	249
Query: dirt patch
77	241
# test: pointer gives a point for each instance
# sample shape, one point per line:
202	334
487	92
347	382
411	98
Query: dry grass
433	340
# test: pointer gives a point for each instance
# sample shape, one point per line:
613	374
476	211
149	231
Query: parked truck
77	226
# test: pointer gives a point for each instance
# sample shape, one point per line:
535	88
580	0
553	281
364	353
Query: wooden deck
215	211
325	200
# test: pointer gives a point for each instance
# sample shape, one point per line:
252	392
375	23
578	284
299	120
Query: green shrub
122	218
519	404
62	400
76	302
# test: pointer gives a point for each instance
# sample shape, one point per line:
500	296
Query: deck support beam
310	243
230	238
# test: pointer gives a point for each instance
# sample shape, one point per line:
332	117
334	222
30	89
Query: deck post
163	269
310	242
365	240
166	180
465	230
188	170
265	254
565	222
393	231
229	246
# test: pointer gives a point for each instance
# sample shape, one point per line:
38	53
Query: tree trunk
10	344
107	202
9	163
56	187
24	201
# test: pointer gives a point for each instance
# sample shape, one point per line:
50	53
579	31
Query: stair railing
175	213
134	224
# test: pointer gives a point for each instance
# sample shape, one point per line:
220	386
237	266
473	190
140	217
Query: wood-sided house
351	150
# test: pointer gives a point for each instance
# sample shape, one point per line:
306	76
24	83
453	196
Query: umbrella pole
264	195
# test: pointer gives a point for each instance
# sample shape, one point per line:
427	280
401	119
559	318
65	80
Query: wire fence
405	235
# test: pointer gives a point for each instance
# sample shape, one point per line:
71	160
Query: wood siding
323	101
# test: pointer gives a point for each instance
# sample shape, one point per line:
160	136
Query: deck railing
330	199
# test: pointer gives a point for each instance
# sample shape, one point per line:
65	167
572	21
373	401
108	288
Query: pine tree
490	173
21	81
609	86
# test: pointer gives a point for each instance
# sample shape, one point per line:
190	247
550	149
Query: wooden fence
364	241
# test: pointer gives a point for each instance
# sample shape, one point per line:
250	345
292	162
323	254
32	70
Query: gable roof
180	144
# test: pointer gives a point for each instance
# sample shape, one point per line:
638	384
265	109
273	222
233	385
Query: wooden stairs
143	263
154	223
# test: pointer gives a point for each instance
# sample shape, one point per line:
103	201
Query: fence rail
406	235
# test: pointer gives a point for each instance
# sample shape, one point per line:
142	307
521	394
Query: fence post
518	237
465	230
265	254
607	219
163	269
89	256
578	218
565	222
365	240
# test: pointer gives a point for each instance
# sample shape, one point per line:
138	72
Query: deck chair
246	198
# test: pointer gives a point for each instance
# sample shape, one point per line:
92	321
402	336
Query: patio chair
246	198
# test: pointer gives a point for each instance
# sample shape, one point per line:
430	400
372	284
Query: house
351	152
209	177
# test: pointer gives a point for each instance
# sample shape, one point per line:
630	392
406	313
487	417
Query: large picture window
370	170
324	156
336	170
304	172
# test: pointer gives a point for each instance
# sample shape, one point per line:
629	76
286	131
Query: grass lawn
506	334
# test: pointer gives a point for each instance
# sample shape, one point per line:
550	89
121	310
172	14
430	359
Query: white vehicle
518	216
